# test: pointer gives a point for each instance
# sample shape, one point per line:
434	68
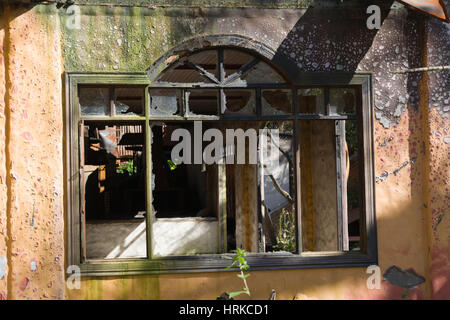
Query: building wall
32	184
411	137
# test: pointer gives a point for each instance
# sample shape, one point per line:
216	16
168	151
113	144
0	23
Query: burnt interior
114	170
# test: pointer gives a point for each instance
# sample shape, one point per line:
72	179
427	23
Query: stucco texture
32	155
412	201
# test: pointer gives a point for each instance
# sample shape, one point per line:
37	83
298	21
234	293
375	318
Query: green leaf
230	266
243	276
405	293
236	293
172	165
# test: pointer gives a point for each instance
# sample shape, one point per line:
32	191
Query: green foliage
127	167
286	232
351	136
172	165
240	262
406	294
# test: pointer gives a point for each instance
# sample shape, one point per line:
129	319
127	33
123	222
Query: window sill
218	263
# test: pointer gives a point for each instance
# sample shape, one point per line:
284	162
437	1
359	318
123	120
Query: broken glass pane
276	165
353	185
114	190
202	102
207	60
331	185
276	101
165	102
311	101
129	101
234	60
318	172
184	198
184	72
262	73
241	102
342	101
94	101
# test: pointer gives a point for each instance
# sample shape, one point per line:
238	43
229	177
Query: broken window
113	170
165	102
277	196
330	184
129	101
240	102
342	101
202	102
111	101
276	102
94	101
235	60
225	154
185	200
311	101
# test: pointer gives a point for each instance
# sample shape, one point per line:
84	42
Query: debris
224	296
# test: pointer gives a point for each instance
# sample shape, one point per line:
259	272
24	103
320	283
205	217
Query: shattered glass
94	101
276	101
165	102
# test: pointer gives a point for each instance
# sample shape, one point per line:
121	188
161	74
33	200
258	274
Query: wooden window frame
218	262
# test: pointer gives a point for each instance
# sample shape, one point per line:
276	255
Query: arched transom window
221	82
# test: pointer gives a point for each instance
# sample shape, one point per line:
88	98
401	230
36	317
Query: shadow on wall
320	283
320	42
329	40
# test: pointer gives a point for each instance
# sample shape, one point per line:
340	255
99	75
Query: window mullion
112	110
220	58
327	100
297	174
341	187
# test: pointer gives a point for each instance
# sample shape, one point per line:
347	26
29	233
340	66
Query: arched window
220	83
221	93
217	149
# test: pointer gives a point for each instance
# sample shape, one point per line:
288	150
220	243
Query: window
220	151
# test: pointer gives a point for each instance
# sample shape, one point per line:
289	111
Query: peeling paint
33	266
407	279
385	174
2	267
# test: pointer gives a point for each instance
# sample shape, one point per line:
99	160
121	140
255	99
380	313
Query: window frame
218	262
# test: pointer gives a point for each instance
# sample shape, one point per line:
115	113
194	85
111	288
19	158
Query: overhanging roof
432	7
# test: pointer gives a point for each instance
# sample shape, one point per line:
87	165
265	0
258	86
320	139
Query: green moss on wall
117	288
126	39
